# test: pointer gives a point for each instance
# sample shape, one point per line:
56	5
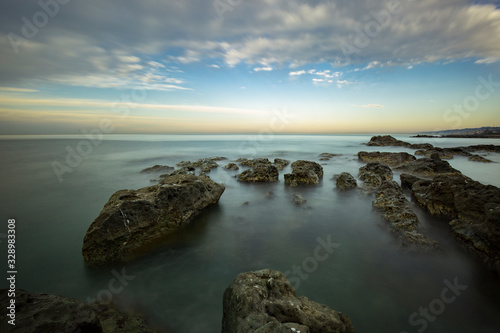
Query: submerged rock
232	166
298	200
132	219
52	313
442	153
260	173
472	209
327	156
253	162
390	159
281	163
403	222
304	173
478	158
206	164
428	167
158	168
345	181
374	174
264	301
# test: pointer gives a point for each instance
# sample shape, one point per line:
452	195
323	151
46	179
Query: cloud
265	69
17	90
297	73
376	106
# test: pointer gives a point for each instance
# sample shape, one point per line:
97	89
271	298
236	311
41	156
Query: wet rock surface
158	168
390	159
232	166
428	167
327	156
472	208
345	181
261	172
403	222
132	219
51	313
281	163
264	301
374	174
304	173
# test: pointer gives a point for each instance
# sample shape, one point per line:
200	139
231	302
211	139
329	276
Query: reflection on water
179	285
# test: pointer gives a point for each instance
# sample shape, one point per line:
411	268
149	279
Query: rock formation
132	219
428	167
304	173
390	159
158	168
260	172
265	302
374	174
345	181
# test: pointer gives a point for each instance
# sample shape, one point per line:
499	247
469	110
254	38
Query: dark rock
390	159
52	313
403	222
158	168
232	166
442	153
187	170
407	180
472	209
387	140
477	158
374	174
133	219
489	148
428	167
265	301
345	181
281	163
326	156
206	164
260	173
304	172
253	162
421	146
298	200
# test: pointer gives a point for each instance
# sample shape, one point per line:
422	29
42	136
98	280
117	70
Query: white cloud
297	73
214	66
376	106
264	69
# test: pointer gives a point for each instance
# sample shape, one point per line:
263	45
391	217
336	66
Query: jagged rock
187	170
386	140
265	301
326	156
206	164
374	174
298	200
52	313
232	166
442	153
478	158
253	162
260	173
489	148
472	208
132	219
281	163
390	159
304	172
158	168
421	146
403	222
407	180
428	167
345	181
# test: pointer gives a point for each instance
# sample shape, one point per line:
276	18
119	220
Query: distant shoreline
471	136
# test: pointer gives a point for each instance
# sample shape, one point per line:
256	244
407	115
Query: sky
248	66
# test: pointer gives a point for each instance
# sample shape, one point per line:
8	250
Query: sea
55	186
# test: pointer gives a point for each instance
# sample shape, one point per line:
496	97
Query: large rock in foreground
374	174
472	208
403	222
132	219
51	313
265	302
345	181
390	159
304	173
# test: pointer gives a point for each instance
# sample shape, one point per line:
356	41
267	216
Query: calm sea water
179	285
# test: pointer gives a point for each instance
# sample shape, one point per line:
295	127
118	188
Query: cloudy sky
242	66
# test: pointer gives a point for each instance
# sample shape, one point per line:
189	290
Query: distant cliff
481	132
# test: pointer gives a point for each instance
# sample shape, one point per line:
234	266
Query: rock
345	181
187	170
253	162
265	301
232	166
52	313
407	180
428	167
489	148
281	163
386	140
374	174
421	146
390	159
304	172
133	219
158	168
390	200
298	200
477	158
260	173
206	164
326	156
442	153
472	209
